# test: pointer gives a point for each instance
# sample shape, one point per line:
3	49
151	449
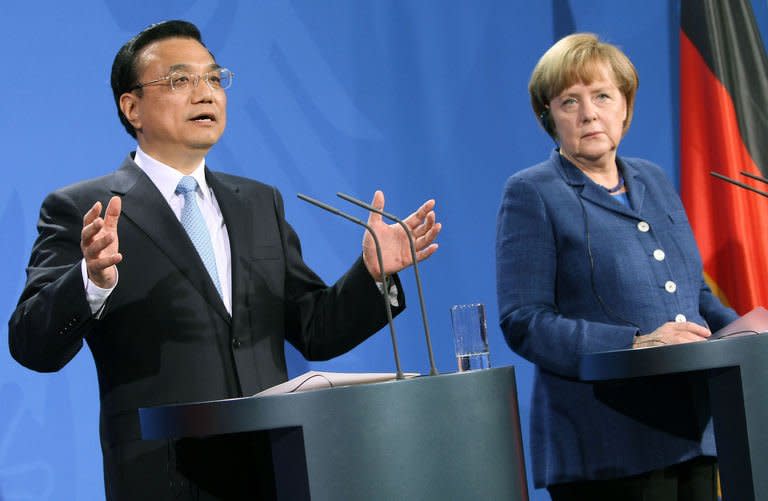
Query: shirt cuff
392	293
95	295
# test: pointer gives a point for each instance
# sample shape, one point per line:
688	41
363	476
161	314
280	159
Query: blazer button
235	342
643	226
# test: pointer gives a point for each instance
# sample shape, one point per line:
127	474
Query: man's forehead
175	53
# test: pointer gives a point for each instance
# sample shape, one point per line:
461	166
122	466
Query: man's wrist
94	294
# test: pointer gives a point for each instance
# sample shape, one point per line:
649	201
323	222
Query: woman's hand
672	333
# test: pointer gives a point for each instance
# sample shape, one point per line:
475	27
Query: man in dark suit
187	286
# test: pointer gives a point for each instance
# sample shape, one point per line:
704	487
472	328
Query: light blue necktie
192	220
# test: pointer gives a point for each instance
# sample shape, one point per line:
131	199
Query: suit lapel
635	185
598	196
588	190
236	217
145	206
250	220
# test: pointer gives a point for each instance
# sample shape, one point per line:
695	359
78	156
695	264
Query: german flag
724	128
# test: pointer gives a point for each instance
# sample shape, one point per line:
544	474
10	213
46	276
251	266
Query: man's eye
179	79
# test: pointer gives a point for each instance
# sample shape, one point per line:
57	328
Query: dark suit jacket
578	272
164	335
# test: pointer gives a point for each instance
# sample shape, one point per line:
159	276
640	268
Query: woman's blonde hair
578	58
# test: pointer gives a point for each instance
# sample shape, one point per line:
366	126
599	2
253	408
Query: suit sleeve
526	276
48	325
323	322
713	311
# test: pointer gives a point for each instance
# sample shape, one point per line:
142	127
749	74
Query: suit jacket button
235	342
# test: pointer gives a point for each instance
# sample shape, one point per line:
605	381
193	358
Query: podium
736	370
452	436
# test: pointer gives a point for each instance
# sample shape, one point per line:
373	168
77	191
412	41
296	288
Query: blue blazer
578	272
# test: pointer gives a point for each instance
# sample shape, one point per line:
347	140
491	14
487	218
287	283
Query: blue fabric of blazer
577	274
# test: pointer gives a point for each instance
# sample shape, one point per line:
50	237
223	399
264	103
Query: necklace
617	187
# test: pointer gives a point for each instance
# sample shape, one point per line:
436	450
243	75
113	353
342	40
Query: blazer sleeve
714	312
323	322
48	325
526	277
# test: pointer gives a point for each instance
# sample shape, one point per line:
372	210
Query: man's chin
204	143
202	146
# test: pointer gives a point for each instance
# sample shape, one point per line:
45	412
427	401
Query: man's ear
129	105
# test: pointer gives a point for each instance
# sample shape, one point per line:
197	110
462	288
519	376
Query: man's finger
429	237
92	214
417	218
425	208
425	226
98	245
425	253
378	202
104	262
112	214
91	230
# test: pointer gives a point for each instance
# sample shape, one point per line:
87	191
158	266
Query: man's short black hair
124	73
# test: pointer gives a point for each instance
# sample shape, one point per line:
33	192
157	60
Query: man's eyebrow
186	67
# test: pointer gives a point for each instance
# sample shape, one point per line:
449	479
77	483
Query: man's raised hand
99	243
395	249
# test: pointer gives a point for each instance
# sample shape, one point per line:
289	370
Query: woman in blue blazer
594	253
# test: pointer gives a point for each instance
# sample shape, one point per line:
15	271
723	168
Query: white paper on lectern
315	380
754	322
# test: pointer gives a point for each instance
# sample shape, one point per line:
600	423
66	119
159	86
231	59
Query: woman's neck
604	172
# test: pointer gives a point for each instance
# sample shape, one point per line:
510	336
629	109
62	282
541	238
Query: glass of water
470	336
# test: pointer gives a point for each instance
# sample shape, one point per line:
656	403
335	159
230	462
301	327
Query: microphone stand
742	185
755	177
385	295
360	203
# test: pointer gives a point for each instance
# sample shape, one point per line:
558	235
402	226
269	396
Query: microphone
740	184
385	295
360	203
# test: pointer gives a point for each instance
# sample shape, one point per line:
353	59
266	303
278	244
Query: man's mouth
204	117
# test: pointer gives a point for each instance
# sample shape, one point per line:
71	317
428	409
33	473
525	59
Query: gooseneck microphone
385	293
743	185
360	203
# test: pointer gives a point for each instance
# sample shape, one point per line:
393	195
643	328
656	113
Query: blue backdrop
421	98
